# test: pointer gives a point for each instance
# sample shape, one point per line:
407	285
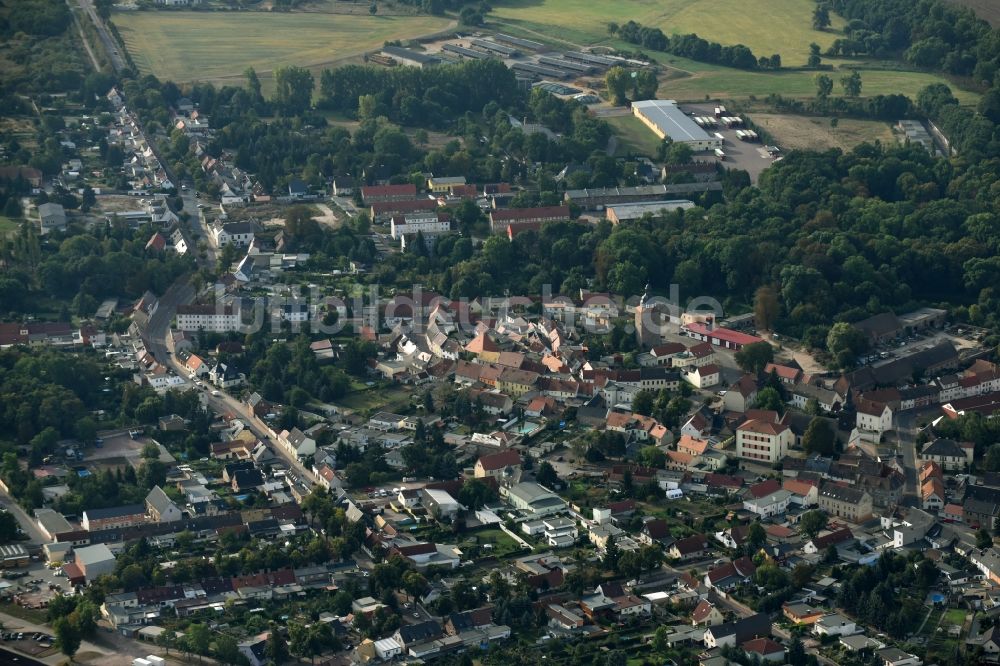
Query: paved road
155	336
27	524
110	45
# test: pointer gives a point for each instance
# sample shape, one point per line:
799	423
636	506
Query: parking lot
38	585
33	643
749	156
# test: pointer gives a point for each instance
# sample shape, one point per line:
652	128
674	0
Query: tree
616	79
276	649
811	523
824	86
821	17
845	343
679	153
642	403
546	475
769	398
851	84
814	59
198	638
753	358
293	90
819	437
756	536
373	9
983	538
67	636
766	307
651	456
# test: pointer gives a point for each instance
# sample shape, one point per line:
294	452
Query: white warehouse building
668	121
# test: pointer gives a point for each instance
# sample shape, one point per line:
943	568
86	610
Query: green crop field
694	81
766	26
215	46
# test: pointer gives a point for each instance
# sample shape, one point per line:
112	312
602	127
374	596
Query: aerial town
413	332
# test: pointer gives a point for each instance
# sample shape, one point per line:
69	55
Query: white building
873	417
834	624
559	531
428	223
207	318
533	498
774	504
665	119
763	441
297	443
235	233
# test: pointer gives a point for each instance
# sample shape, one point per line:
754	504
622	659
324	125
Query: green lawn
375	399
728	83
503	544
214	46
633	136
8	225
766	26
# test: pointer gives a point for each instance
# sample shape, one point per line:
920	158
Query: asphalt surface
29	526
117	61
8	658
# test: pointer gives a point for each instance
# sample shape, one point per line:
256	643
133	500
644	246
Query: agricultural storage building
634	211
668	121
409	57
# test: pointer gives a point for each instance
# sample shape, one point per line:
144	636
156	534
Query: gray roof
159	500
943	447
93	554
415	56
841	493
671	120
115	512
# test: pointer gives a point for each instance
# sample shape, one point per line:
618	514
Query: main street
223	404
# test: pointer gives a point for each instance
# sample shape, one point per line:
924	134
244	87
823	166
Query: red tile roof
495	461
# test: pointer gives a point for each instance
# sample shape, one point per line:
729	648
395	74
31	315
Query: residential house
800	613
952	456
706	613
786	375
820	544
845	502
115	517
763	441
738	632
874	417
506	463
690	548
803	494
765	650
161	509
931	479
742	395
771	504
655	531
834	624
297	443
702	377
731	574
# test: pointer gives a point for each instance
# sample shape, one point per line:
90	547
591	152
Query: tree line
693	47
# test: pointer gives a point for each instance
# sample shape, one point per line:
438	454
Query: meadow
697	81
816	133
766	26
219	46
